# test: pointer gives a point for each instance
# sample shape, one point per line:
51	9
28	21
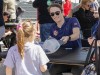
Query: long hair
25	31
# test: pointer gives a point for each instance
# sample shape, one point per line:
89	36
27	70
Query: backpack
91	67
89	70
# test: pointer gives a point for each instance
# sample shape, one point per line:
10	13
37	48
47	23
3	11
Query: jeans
45	31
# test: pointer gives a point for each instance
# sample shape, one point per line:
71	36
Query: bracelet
69	38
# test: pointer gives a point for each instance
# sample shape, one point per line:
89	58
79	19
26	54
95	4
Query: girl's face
87	5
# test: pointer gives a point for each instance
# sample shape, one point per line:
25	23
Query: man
43	17
67	30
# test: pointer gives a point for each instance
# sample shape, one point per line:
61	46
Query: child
26	57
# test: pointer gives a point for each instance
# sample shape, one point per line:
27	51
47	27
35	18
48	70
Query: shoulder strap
91	50
98	31
95	28
89	53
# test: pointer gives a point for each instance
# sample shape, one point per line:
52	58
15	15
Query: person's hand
96	14
7	33
65	39
92	9
90	40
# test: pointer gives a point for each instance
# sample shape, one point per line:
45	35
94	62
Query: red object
67	7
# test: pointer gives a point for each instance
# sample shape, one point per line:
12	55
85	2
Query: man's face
56	14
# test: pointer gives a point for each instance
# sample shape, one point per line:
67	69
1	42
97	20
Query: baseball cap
51	45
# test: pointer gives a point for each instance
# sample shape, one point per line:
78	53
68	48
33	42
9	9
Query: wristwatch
69	38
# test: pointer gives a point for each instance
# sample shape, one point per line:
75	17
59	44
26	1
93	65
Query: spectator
94	6
9	5
6	17
67	7
93	3
67	30
2	28
27	57
9	34
90	40
97	31
43	17
86	18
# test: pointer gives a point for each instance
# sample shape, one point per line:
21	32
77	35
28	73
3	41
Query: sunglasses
55	13
88	5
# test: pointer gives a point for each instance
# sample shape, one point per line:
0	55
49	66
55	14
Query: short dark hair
55	5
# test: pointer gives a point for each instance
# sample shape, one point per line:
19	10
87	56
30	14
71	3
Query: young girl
26	57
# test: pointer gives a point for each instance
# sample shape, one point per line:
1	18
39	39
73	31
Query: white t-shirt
34	57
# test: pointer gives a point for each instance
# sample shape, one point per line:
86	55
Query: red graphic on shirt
55	32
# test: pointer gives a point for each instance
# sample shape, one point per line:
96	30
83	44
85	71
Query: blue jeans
45	31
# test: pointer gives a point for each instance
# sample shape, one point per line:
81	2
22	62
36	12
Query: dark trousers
58	69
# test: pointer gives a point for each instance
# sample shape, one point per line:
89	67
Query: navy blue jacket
1	14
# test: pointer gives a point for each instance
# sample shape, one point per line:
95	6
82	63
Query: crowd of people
27	56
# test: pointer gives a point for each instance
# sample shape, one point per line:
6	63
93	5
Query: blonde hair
85	1
23	33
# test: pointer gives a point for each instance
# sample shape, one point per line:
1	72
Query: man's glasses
53	13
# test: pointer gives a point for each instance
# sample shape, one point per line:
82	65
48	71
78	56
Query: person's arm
90	40
75	35
8	71
9	61
43	60
43	68
72	37
7	33
75	31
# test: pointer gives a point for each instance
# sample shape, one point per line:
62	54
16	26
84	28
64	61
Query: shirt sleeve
75	23
9	61
42	57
